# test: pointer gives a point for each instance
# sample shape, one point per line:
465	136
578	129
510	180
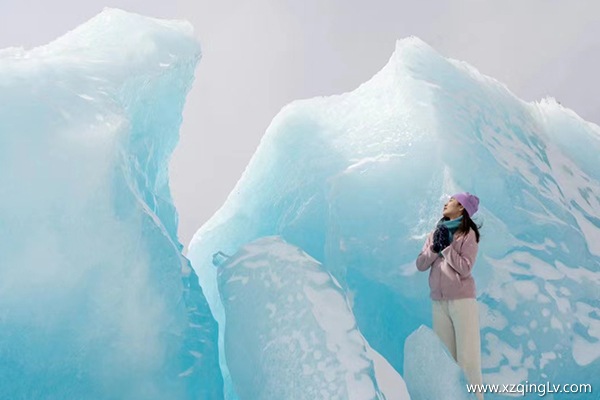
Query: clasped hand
441	239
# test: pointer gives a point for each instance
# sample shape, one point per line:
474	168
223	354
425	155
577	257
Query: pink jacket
450	275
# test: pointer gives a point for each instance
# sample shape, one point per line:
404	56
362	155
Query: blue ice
430	371
290	332
357	180
96	299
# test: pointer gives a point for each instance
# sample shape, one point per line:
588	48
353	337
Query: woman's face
452	209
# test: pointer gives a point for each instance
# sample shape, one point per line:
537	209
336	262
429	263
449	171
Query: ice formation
357	180
300	339
96	299
308	267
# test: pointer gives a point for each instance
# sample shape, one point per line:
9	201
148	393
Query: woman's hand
441	239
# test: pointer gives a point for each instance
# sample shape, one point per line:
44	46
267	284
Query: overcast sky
258	56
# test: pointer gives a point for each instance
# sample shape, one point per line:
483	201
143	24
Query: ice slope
96	299
357	180
430	371
290	333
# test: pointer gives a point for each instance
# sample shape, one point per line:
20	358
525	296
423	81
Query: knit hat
469	201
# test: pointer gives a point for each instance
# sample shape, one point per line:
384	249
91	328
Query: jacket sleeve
426	257
461	254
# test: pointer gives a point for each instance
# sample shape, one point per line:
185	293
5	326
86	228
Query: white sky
258	56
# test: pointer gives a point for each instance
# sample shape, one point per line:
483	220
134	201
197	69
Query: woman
450	251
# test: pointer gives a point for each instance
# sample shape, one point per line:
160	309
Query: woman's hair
466	224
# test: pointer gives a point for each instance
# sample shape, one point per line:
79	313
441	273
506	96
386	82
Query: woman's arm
461	253
426	257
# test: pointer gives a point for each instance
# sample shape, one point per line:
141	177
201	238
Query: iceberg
357	180
97	300
299	337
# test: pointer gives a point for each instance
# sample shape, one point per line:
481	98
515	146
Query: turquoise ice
430	371
290	331
357	180
96	299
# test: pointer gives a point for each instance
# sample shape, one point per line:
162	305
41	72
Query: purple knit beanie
469	201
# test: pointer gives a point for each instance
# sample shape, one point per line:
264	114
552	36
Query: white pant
456	322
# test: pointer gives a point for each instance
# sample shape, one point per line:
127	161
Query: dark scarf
451	224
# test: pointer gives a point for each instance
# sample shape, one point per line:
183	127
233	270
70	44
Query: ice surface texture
357	180
290	332
96	300
430	371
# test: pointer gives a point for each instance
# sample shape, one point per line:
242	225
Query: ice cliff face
96	299
357	181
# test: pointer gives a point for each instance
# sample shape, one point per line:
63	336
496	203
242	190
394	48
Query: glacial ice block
357	180
96	299
290	332
430	371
